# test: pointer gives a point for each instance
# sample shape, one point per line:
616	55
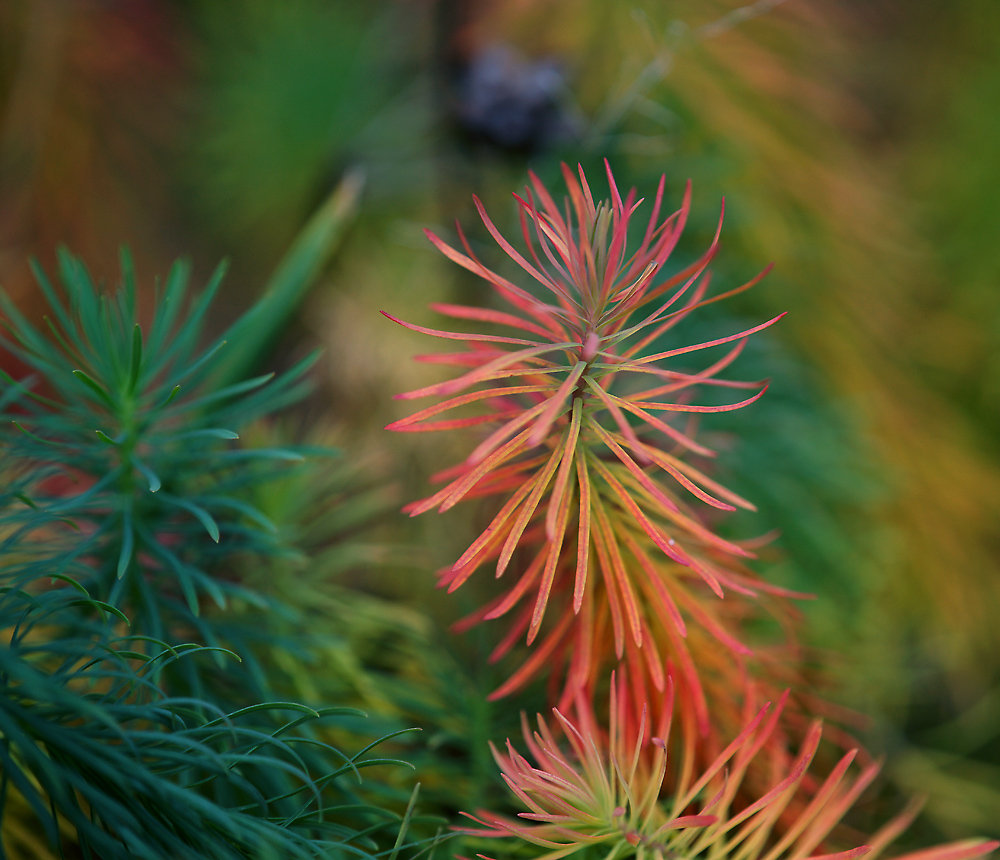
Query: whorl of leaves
122	508
129	438
91	738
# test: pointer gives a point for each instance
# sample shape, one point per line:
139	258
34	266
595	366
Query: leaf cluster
91	737
125	505
129	441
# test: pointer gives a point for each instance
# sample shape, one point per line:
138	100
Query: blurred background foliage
856	146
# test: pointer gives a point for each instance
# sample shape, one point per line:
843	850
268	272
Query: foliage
554	393
576	448
123	510
90	737
130	725
128	441
604	790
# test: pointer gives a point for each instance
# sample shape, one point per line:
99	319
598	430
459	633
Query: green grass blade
254	333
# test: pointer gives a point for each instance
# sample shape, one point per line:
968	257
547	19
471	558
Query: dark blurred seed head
511	102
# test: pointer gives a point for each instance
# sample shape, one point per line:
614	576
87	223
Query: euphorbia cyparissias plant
629	794
583	449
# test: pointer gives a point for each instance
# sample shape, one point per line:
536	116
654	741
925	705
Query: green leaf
173	393
132	655
101	605
150	476
62	341
128	544
210	584
405	824
50	296
189	591
72	583
175	346
224	393
20	427
203	516
169	654
169	306
270	706
94	386
261	454
135	360
208	433
254	333
249	511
